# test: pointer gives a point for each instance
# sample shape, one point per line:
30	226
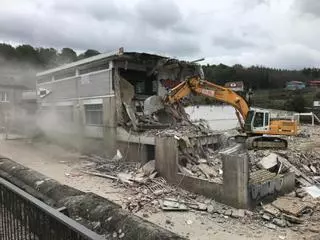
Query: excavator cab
257	121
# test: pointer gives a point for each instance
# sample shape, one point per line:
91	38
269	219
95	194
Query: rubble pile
201	162
103	165
171	116
305	165
297	210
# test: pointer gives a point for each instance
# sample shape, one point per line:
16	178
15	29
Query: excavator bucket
153	104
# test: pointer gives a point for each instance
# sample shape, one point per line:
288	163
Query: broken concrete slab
185	171
306	168
209	172
300	176
228	212
271	210
148	168
271	226
125	178
238	213
152	104
266	217
172	205
290	205
279	222
313	169
292	219
314	191
269	161
202	206
210	209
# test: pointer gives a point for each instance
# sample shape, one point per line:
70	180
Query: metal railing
24	217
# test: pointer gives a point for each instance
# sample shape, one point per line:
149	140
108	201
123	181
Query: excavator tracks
263	142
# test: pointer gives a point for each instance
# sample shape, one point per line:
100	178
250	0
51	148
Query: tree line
258	77
42	57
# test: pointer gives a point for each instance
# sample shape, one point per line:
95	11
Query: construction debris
293	206
172	205
153	194
269	161
314	191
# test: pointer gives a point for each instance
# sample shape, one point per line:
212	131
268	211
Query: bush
297	104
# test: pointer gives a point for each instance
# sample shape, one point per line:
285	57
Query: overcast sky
276	33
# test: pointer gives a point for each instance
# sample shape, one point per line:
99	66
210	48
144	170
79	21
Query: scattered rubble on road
149	193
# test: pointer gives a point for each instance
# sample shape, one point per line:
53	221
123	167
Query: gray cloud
102	11
308	7
159	14
266	32
231	42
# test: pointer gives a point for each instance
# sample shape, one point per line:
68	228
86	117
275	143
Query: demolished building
96	104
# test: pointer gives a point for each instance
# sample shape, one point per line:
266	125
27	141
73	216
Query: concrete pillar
79	121
235	176
110	126
166	156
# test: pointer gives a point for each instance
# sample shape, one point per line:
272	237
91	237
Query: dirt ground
62	165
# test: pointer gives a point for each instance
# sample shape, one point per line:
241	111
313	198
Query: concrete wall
201	186
95	84
235	176
236	189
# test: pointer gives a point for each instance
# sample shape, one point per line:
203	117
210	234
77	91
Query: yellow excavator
259	130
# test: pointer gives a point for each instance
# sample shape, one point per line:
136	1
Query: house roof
295	82
109	55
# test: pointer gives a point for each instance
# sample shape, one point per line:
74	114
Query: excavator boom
255	123
211	90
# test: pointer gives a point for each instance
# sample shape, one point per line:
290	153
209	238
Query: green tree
67	55
88	53
7	51
297	104
28	54
47	57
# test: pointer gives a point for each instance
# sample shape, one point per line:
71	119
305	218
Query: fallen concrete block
228	212
209	172
269	161
279	222
313	169
185	171
202	207
314	191
271	226
292	219
306	168
271	210
172	205
290	205
238	213
210	209
148	168
266	217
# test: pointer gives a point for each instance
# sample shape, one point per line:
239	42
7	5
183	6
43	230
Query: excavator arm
254	123
211	90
